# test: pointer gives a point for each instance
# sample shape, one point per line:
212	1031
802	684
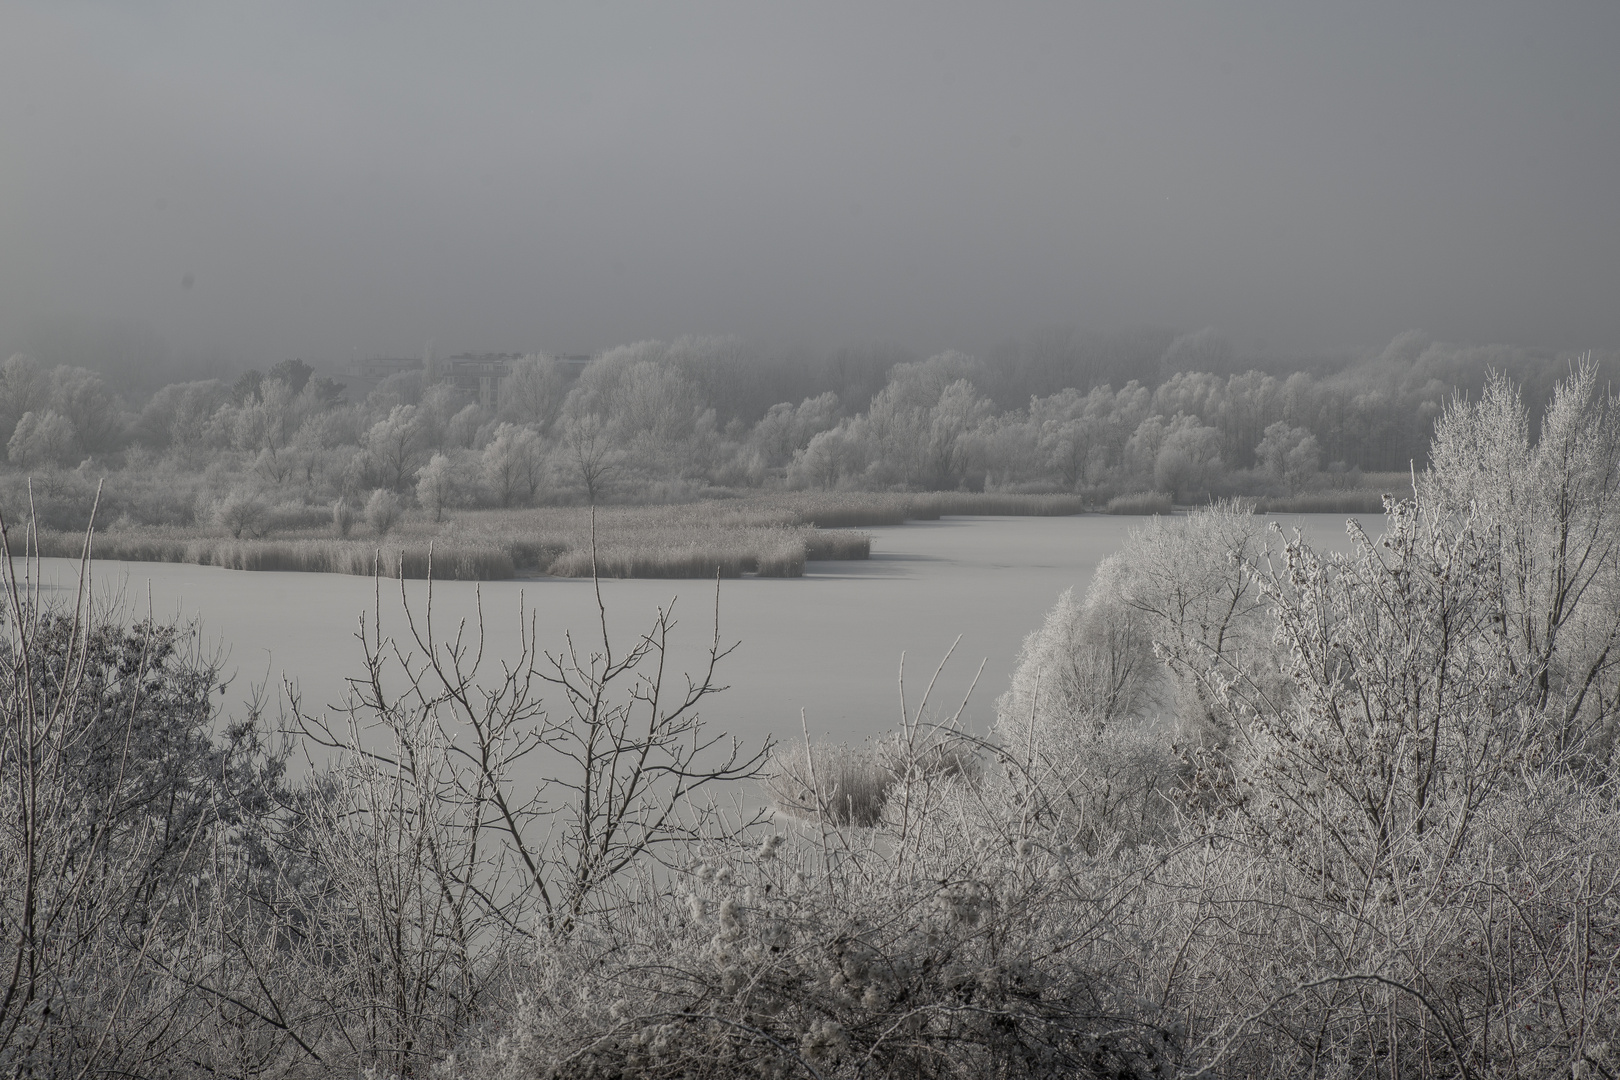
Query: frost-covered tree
42	438
397	446
1188	460
918	424
1405	715
1090	665
462	430
91	408
342	517
1007	448
532	392
400	388
1193	581
786	429
267	422
179	414
513	463
1289	455
439	405
1553	507
24	388
121	803
293	374
1106	685
243	513
833	456
436	486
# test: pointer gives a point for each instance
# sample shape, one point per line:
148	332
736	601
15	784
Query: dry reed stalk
833	783
1357	501
1144	502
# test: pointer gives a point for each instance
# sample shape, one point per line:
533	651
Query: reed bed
666	553
838	784
659	542
308	555
1143	502
1358	501
870	509
769	536
837	545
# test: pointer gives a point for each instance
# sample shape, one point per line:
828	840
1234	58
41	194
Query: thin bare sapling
626	764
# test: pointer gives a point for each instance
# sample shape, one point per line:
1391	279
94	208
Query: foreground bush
662	541
118	804
935	949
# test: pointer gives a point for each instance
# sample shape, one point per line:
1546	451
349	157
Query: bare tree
588	455
442	852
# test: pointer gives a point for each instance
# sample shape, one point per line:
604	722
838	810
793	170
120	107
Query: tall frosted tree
42	438
1553	507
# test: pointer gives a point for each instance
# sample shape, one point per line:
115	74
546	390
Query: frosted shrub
1107	687
1193	581
119	805
342	517
1088	667
1409	715
243	513
439	486
960	961
382	511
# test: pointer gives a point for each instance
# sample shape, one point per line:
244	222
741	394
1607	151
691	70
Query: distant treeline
1094	416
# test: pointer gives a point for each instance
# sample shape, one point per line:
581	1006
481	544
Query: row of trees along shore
658	422
1247	810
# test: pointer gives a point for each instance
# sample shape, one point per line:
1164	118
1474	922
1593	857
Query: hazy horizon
240	184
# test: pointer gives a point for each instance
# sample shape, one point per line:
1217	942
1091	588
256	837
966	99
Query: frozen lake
829	643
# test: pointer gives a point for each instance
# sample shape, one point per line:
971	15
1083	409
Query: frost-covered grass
857	509
768	535
1143	502
695	540
1358	501
394	557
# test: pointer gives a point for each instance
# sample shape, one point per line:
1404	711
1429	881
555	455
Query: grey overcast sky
339	178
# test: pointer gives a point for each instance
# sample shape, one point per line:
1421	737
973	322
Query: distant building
572	365
479	376
381	368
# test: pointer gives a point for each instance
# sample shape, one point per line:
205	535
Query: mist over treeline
1062	410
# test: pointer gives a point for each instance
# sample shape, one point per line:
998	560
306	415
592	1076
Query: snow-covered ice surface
829	643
